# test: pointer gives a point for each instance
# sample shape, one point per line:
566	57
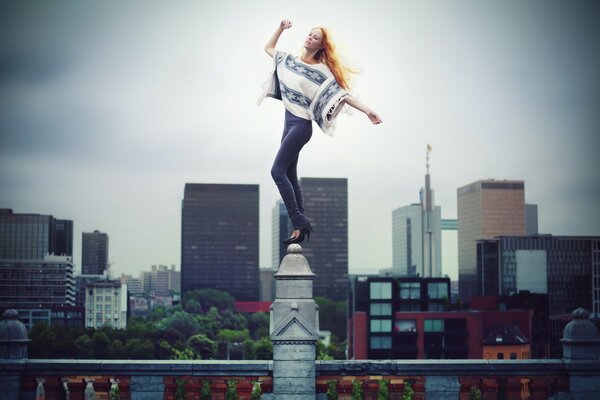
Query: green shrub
231	393
205	393
256	391
383	393
180	389
332	393
475	393
357	390
408	393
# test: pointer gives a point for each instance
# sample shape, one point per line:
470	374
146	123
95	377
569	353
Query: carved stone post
581	352
13	349
294	326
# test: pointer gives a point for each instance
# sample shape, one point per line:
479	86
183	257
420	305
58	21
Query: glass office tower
219	239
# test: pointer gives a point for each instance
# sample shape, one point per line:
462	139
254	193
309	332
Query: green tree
249	349
209	324
101	345
193	307
117	349
332	315
183	323
210	298
83	347
321	350
258	325
232	320
202	345
139	349
42	339
233	339
263	349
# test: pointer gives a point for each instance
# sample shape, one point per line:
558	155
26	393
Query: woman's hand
285	24
375	119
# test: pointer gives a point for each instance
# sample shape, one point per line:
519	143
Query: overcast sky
108	108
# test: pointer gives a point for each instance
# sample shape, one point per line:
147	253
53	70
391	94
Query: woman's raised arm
351	101
270	46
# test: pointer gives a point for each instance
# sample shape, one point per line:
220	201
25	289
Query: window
98	298
381	309
410	290
405	325
500	356
435	307
437	290
513	356
107	298
381	290
434	325
381	342
381	325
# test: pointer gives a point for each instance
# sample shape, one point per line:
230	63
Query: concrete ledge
148	367
454	367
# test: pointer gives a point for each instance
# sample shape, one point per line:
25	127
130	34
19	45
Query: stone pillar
294	329
13	349
581	354
442	387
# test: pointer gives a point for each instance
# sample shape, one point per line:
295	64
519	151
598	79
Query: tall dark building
559	266
326	204
219	239
33	236
94	253
281	229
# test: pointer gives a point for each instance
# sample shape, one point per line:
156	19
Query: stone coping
536	367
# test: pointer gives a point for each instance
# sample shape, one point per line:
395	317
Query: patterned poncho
308	91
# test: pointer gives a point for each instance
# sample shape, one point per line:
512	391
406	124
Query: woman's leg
292	175
297	133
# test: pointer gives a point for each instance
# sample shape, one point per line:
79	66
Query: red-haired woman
312	87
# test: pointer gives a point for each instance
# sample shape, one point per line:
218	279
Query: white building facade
106	304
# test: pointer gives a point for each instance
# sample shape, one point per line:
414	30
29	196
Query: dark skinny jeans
296	133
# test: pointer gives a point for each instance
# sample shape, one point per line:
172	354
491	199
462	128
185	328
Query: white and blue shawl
308	91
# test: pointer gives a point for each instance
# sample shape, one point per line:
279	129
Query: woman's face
314	40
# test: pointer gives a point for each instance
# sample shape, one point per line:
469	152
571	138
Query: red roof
252	306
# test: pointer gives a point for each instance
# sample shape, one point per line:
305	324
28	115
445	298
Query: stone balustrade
430	379
294	375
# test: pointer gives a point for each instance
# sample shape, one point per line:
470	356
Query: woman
312	87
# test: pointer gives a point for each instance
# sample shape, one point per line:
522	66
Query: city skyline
108	110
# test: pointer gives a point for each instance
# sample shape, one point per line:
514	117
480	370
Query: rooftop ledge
535	367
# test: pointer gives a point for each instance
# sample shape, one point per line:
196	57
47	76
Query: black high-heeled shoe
306	231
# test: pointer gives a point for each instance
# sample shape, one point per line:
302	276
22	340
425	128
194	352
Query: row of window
405	325
408	290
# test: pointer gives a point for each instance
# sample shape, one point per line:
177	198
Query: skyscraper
219	239
486	208
94	253
281	230
417	235
326	204
410	244
33	236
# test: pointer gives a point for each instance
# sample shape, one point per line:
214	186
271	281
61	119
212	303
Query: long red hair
328	56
